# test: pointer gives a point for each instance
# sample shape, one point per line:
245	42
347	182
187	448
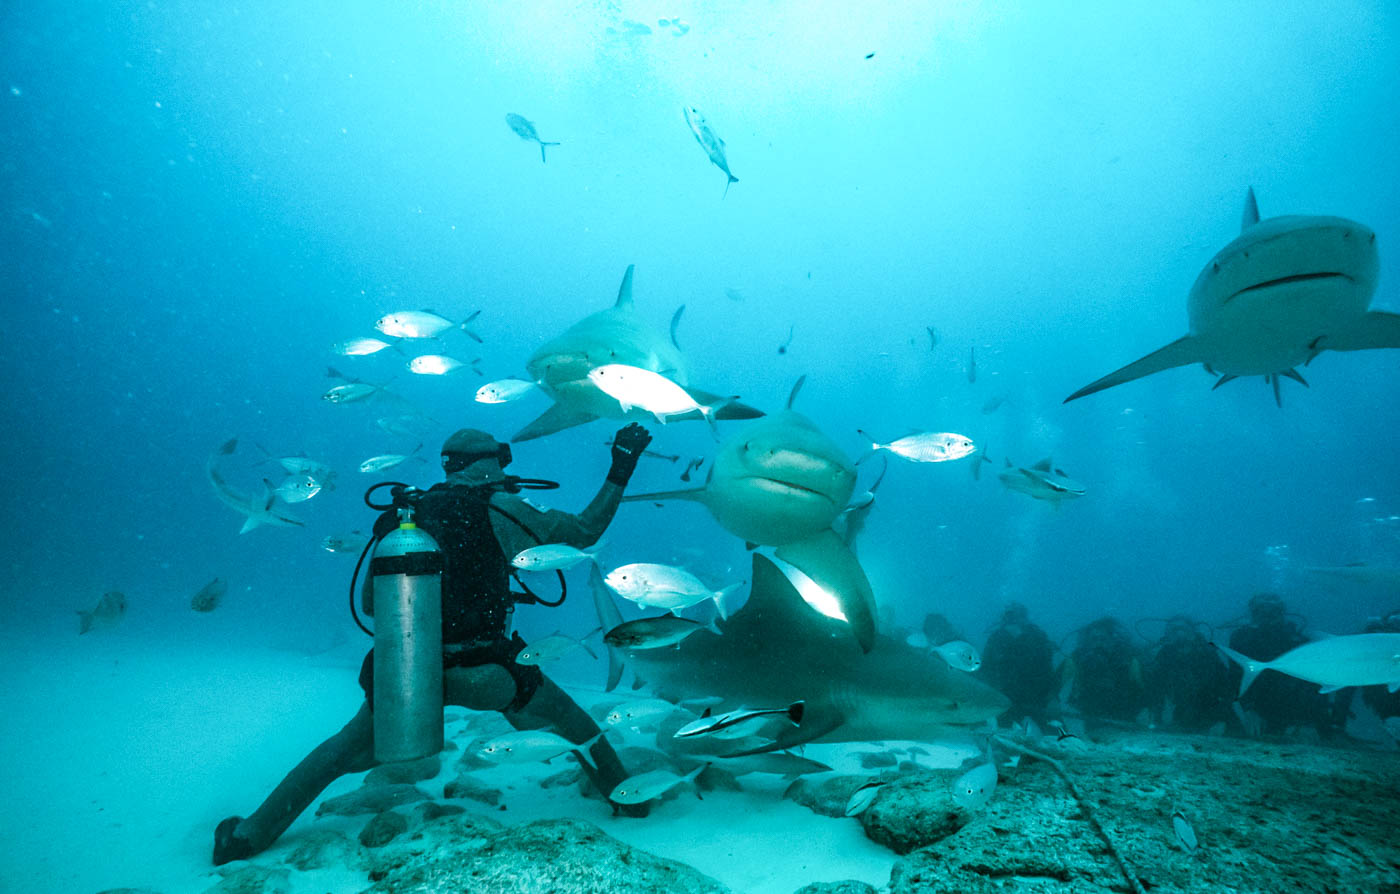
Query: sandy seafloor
125	752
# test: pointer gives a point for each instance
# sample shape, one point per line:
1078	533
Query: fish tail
464	327
542	145
732	179
84	621
723	595
1250	667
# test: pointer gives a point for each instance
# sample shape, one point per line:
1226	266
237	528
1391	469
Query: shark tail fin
1181	352
1250	667
542	145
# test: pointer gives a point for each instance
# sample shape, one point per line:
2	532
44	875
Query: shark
259	510
782	482
1042	481
614	335
777	650
1287	289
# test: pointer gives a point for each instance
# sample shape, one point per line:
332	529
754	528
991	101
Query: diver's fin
1251	211
829	562
556	418
1376	329
1181	352
691	493
624	291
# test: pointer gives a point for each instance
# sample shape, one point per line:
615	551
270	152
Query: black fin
1222	380
797	387
1293	374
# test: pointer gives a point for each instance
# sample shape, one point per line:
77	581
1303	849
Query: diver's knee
486	687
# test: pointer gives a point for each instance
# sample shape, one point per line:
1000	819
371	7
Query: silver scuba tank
406	576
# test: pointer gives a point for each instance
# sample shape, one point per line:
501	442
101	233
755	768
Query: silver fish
552	648
297	488
504	391
1185	835
525	129
655	633
389	460
351	392
554	556
438	365
107	613
344	543
973	789
529	746
960	655
861	799
360	347
665	586
926	447
648	786
712	144
641	713
422	324
208	598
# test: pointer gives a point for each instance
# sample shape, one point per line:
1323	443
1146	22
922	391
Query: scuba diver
479	522
1104	673
1188	685
1275	702
1018	660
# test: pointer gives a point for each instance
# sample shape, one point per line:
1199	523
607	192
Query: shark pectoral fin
829	562
732	409
694	493
556	418
249	524
1376	329
1182	352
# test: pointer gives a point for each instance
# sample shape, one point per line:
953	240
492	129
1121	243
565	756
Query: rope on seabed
1084	805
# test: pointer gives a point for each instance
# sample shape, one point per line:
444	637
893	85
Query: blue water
199	201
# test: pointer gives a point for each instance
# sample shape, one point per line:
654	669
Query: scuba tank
406	580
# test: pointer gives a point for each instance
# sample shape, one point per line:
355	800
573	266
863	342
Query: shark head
1285	290
1262	302
615	335
779	480
776	650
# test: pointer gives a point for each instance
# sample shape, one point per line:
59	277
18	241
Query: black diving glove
627	447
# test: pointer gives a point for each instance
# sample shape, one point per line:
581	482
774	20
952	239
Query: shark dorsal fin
1251	211
1043	465
797	387
624	291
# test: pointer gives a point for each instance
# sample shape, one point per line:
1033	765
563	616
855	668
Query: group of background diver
1179	682
479	521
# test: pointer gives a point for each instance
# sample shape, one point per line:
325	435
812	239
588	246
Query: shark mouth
1286	280
780	486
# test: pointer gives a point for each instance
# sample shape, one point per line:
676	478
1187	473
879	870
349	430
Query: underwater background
200	200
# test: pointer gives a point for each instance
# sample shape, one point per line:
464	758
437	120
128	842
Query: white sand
124	753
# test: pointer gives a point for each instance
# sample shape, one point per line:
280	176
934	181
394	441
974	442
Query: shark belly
1273	327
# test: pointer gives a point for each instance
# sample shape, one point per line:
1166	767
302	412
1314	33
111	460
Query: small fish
861	799
352	392
633	386
504	391
973	789
648	786
1185	835
297	488
208	598
734	294
870	55
933	337
1041	482
389	460
107	613
992	405
712	144
692	466
344	543
554	556
530	746
740	723
552	648
421	324
409	425
925	447
654	633
665	586
783	348
438	365
971	366
360	347
525	129
960	655
641	713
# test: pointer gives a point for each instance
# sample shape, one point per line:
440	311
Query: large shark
781	482
615	335
259	510
777	650
1286	290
